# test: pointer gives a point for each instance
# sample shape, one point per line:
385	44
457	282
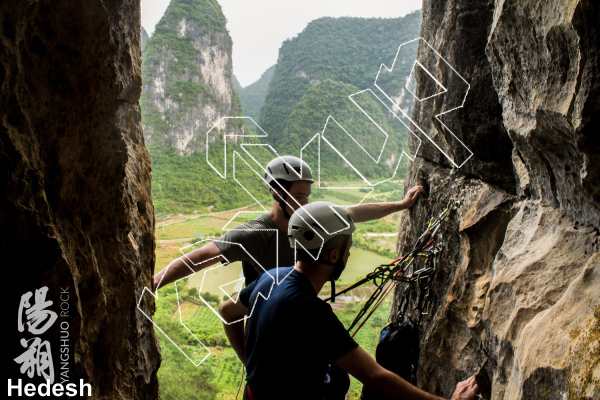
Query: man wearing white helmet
264	239
293	335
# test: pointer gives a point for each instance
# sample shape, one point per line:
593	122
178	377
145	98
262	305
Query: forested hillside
253	95
330	97
188	86
347	50
187	72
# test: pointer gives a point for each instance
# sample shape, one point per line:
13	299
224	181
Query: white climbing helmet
316	223
288	168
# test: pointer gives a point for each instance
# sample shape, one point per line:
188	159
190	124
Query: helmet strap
282	206
333	290
339	267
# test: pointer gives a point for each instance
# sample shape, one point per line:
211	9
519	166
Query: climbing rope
420	281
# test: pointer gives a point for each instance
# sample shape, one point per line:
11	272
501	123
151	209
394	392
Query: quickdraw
420	281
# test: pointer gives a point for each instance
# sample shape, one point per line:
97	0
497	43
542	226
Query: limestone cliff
75	205
518	291
187	70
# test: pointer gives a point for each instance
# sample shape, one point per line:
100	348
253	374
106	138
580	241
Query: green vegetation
204	324
331	98
367	337
186	94
184	184
236	84
178	377
212	226
371	243
178	51
219	375
165	254
317	71
299	105
253	96
152	120
207	226
211	298
144	38
166	39
348	50
361	263
206	14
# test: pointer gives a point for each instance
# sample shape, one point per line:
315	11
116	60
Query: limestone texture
188	72
517	294
75	204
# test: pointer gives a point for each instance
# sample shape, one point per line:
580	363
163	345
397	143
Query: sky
259	27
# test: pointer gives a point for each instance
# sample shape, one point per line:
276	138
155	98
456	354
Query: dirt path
172	221
174	240
184	239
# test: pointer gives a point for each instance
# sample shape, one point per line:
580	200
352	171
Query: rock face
517	293
187	76
75	203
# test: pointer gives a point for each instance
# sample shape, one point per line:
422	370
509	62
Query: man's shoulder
263	221
261	226
302	290
271	276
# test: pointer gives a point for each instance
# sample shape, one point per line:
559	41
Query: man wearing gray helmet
261	243
292	335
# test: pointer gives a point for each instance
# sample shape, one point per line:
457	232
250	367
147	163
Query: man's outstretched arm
388	385
194	261
371	211
235	311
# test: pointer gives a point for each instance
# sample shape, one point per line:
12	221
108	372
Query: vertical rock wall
518	289
75	205
188	70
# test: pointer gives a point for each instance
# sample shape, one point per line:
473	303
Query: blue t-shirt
291	338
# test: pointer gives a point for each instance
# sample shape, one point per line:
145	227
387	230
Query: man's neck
278	218
317	274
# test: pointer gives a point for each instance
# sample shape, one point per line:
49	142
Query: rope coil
387	276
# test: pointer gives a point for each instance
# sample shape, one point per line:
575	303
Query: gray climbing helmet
288	168
313	225
316	223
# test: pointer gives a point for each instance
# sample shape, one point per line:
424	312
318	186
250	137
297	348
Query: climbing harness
420	281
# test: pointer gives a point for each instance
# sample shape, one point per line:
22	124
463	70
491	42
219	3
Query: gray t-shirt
258	241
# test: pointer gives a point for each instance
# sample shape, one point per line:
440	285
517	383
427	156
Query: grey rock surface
517	294
75	203
175	113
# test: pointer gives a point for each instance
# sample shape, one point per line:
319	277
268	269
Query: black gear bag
397	351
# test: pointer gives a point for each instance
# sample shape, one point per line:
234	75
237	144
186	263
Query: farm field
216	360
175	239
360	263
203	340
189	226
